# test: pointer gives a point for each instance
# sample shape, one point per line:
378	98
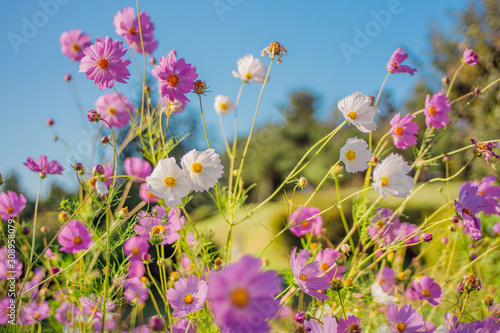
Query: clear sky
335	48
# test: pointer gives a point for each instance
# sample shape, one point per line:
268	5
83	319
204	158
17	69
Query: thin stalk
453	79
203	119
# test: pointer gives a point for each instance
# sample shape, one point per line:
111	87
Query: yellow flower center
350	155
103	63
432	110
305	224
303	277
77	240
466	211
354	328
240	297
75	47
131	31
398	130
188	299
352	115
385	180
135	251
10	209
324	266
197	168
480	192
382	280
170	181
36	316
248	75
223	106
112	111
380	224
426	292
159	229
401	327
93	310
173	80
151	195
92	181
144	279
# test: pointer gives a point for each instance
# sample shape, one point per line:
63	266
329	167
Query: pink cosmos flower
182	326
429	290
108	173
406	230
387	279
381	224
469	57
135	247
135	291
468	205
436	110
74	237
73	43
65	312
7	309
394	64
103	63
137	167
175	78
92	305
352	324
302	227
44	167
147	196
403	131
496	229
188	296
136	269
405	319
308	276
33	313
151	225
242	296
114	109
329	325
490	192
11	204
326	260
6	271
127	26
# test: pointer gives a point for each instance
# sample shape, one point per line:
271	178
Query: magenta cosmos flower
429	290
135	291
7	309
329	325
308	276
387	279
381	224
153	228
327	266
74	237
6	271
242	296
436	110
43	166
405	319
182	326
147	196
352	324
469	57
103	63
11	204
485	149
394	64
302	227
490	192
175	78
188	296
114	109
403	131
136	269
468	205
408	233
137	167
73	43
127	26
135	247
33	313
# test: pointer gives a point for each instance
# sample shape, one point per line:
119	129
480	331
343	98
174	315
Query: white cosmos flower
168	182
357	109
203	169
380	296
101	188
223	104
251	69
355	155
390	177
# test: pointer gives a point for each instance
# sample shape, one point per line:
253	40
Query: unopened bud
104	139
488	300
175	276
345	248
156	324
152	61
303	182
98	170
299	317
445	80
348	284
26	230
336	284
336	170
375	159
93	116
444	240
55	270
454	219
1	179
401	276
446	158
44	229
390	256
477	91
147	88
341	259
427	237
162	262
123	212
50	121
67	77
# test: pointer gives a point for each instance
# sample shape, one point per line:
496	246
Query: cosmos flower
251	69
73	43
242	296
359	111
168	182
103	63
405	319
147	196
329	325
326	260
114	109
436	110
468	205
223	104
134	290
202	168
390	177
175	78
127	26
182	326
394	64
137	167
355	155
74	237
352	324
153	225
135	247
188	296
33	313
387	279
7	308
403	131
404	230
7	270
306	220
429	290
308	276
11	205
485	149
381	224
469	57
43	166
490	192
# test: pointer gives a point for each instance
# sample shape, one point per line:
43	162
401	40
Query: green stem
342	305
341	210
203	119
463	308
453	79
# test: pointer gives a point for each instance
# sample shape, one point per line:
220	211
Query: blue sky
212	35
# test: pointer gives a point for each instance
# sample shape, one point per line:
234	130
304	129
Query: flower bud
162	262
152	61
44	229
374	159
469	283
427	237
200	87
348	283
122	213
336	170
146	258
55	270
26	230
104	139
63	216
446	158
336	284
488	300
345	248
50	121
175	276
454	219
299	317
401	276
303	182
156	324
452	228
446	80
93	116
147	88
67	77
78	166
444	240
477	91
218	262
98	170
